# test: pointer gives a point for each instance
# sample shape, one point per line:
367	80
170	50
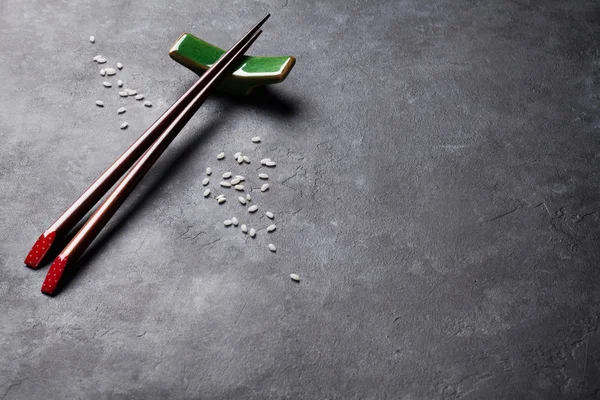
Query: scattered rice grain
110	71
96	58
244	228
101	60
221	200
246	159
148	103
264	187
119	65
99	103
270	164
253	208
240	159
220	156
227	222
139	97
207	193
295	277
124	125
123	94
240	177
248	197
121	110
102	72
272	247
256	139
235	181
208	171
225	184
242	200
263	176
107	84
226	175
269	215
239	187
236	155
120	83
264	161
271	228
252	232
205	181
92	39
235	221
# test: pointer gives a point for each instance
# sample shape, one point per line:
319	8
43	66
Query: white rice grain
264	187
235	221
220	156
123	94
244	228
253	208
107	84
272	247
242	200
92	39
124	125
256	139
207	193
269	215
148	103
208	171
119	65
252	232
271	228
226	175
110	71
221	200
139	97
225	184
121	110
239	187
227	222
295	277
205	181
99	103
120	83
263	176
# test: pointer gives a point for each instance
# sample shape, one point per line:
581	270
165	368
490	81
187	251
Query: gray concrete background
437	189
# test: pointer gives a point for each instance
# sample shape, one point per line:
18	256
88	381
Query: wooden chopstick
70	254
57	232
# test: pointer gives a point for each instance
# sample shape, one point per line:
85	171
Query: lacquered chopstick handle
100	218
61	227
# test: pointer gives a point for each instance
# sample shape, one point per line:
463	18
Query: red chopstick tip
39	249
54	274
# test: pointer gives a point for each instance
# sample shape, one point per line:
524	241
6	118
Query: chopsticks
143	152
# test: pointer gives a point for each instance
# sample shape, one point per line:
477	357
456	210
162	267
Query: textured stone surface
437	190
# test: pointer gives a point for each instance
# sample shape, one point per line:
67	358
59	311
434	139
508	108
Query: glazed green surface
252	71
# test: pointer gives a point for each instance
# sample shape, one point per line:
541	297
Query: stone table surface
437	189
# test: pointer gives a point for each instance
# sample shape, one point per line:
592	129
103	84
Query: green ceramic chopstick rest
252	71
